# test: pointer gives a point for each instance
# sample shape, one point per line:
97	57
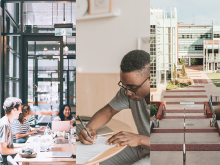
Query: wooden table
41	159
116	126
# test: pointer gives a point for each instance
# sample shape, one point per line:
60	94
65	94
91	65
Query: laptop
61	141
58	154
60	125
39	133
101	131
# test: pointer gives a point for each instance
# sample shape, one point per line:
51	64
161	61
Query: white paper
86	153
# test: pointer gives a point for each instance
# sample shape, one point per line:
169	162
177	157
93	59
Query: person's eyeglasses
133	92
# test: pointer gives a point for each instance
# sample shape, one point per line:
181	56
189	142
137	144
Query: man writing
134	94
12	108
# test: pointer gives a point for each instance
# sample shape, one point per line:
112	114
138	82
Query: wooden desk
116	126
41	159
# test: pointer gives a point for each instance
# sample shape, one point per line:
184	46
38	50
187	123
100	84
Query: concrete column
189	61
164	56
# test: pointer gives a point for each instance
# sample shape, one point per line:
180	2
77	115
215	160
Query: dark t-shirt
140	111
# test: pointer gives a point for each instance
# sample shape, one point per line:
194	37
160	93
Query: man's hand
33	132
72	122
42	128
125	138
84	137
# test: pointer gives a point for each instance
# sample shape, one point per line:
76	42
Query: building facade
163	46
190	41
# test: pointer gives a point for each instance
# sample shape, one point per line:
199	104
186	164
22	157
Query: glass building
38	53
190	41
163	45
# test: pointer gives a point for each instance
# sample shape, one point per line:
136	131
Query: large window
41	72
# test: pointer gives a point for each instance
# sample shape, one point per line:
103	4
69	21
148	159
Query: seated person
12	108
21	128
65	115
135	95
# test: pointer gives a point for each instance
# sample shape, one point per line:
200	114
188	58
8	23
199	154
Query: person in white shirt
12	108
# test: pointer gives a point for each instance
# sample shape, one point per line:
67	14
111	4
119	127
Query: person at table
21	128
134	94
12	108
65	115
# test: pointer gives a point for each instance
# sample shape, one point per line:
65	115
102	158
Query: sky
204	10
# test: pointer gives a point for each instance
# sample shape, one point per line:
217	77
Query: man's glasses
133	92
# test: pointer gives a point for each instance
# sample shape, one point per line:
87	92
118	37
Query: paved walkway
202	141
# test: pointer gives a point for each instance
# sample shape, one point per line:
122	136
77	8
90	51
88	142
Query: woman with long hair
65	115
21	128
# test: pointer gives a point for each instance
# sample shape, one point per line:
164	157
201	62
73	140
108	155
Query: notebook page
86	153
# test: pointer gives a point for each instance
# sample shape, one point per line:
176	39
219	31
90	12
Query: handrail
184	154
184	147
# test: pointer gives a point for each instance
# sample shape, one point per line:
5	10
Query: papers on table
86	153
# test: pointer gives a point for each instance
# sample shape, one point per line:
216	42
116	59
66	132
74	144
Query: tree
182	61
183	71
193	61
174	73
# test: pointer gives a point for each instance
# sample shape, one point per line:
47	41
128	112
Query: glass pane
69	46
65	64
9	89
43	77
72	88
72	64
13	42
12	19
31	86
41	17
65	96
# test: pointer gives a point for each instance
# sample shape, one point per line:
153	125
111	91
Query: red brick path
181	130
200	81
182	117
186	91
189	147
182	111
187	96
192	86
179	102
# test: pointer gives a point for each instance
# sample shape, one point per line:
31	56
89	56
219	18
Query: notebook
88	152
58	154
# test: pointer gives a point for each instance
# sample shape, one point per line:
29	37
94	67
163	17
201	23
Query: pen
84	127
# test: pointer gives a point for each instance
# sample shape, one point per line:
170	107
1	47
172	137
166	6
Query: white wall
101	43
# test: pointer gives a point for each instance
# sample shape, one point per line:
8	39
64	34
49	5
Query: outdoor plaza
196	141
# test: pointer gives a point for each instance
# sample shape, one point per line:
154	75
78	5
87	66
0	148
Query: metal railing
210	103
184	131
214	98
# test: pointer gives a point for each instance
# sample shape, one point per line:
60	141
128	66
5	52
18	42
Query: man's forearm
145	141
18	136
10	151
102	117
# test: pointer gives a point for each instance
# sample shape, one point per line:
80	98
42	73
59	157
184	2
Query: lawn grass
217	84
214	76
170	86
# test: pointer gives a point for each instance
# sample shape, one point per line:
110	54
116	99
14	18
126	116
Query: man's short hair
11	103
135	60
